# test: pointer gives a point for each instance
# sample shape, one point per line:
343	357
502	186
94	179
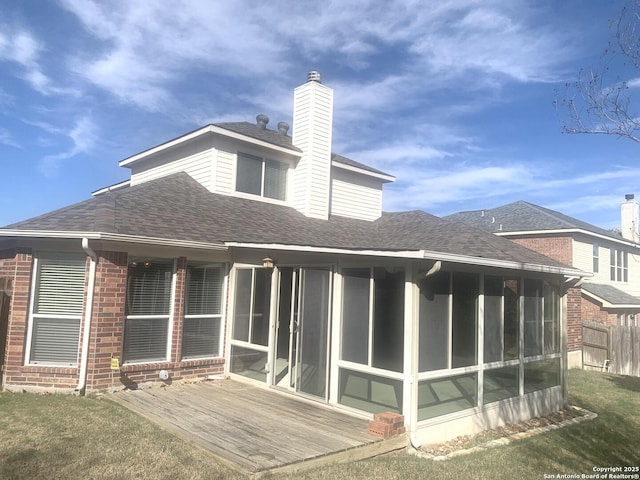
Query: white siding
583	259
355	196
312	125
195	159
225	173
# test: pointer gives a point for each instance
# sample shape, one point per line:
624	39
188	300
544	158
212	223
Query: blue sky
452	97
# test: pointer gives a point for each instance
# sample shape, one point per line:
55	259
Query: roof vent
262	121
283	128
314	76
629	196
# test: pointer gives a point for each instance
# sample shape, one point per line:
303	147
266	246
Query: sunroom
439	342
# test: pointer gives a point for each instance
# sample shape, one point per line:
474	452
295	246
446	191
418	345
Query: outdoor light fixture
267	262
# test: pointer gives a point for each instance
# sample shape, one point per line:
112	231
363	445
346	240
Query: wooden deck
256	429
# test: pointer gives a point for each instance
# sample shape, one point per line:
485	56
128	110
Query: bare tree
596	103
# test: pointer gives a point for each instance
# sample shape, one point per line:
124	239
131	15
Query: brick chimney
312	126
629	211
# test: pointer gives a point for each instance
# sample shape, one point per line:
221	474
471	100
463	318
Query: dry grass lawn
56	437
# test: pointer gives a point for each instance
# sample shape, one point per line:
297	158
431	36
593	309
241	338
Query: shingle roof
177	207
272	136
254	131
524	216
611	294
347	161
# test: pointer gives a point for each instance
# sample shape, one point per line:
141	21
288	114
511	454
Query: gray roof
524	216
611	294
254	131
273	136
176	207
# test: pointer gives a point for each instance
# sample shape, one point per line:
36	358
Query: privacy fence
611	347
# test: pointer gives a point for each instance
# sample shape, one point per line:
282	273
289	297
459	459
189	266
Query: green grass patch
60	436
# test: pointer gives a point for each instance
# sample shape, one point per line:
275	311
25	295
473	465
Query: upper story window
261	176
619	262
596	258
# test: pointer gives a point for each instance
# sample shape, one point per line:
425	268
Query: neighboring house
238	250
612	294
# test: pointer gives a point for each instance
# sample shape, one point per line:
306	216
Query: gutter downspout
84	360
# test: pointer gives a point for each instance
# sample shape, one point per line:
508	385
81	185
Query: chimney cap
262	120
629	196
314	76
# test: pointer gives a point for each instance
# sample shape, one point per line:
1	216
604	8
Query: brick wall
107	337
107	331
574	319
107	324
16	374
593	312
558	248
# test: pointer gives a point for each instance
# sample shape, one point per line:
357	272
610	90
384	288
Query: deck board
253	428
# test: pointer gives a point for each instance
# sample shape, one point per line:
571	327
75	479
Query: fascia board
200	132
567	230
507	264
343	251
115	237
351	168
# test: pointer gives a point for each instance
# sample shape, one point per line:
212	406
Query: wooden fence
5	298
611	347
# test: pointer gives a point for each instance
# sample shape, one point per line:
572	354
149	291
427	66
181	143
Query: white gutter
332	250
115	237
84	360
504	233
491	262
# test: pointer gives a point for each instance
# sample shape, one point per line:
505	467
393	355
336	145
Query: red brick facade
593	312
106	336
574	319
558	248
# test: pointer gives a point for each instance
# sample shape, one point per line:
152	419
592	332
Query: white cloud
83	136
7	139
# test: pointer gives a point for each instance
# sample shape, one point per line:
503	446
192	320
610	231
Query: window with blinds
149	305
56	310
202	327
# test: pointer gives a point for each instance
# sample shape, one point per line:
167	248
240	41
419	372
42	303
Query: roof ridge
550	213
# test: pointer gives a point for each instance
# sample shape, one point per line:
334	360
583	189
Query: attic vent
262	121
314	76
283	128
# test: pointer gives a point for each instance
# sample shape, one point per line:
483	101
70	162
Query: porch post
411	344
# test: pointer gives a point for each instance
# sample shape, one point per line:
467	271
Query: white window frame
263	161
32	316
219	317
619	265
170	321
